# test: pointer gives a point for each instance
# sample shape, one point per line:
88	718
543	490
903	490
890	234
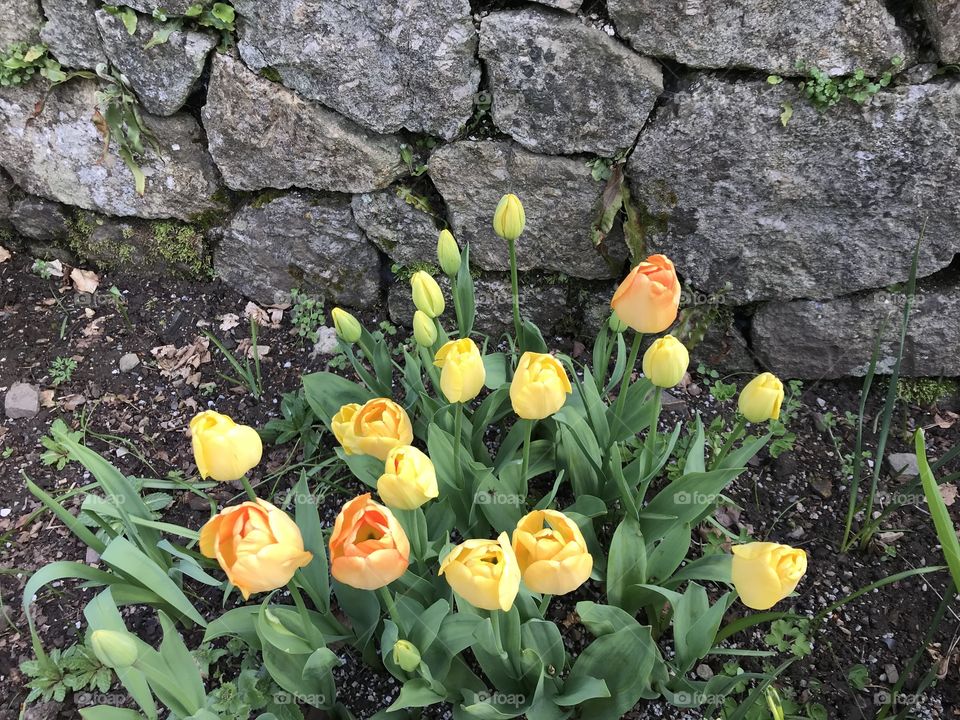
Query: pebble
890	670
704	672
22	401
326	343
903	464
4	512
128	362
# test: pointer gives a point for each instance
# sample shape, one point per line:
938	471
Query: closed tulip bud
485	573
774	703
509	218
409	479
424	329
347	326
649	297
258	546
761	398
461	370
368	547
551	552
222	449
448	253
406	655
116	650
665	361
374	428
616	324
427	295
539	387
764	573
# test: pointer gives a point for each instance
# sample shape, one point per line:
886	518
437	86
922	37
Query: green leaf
626	566
581	689
495	365
465	294
314	578
946	533
415	693
327	393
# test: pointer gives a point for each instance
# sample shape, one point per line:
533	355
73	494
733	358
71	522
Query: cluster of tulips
260	547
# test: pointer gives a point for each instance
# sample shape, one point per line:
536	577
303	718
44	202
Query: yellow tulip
409	479
764	573
427	295
539	387
347	326
424	329
649	297
461	370
406	655
761	398
117	650
509	218
258	546
485	573
368	547
222	449
448	253
665	361
551	552
374	428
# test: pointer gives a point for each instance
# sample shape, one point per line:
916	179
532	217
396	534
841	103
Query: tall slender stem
515	287
388	603
249	488
628	373
731	439
525	463
457	432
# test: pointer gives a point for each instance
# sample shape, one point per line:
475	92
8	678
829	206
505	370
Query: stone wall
323	143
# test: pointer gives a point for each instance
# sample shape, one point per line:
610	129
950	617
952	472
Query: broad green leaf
946	532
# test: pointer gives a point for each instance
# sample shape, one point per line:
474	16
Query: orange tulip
649	297
258	546
368	548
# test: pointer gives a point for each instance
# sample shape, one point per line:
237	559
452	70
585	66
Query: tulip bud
774	703
760	399
117	650
764	573
509	218
427	295
424	329
448	253
665	361
347	326
616	324
406	655
222	449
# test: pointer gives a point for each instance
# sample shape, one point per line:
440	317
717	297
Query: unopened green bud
448	253
509	218
773	702
427	295
616	324
114	649
347	326
424	329
406	655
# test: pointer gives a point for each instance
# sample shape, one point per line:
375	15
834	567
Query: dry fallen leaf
4	254
54	268
84	281
271	317
72	402
945	421
181	364
46	398
948	491
245	347
229	321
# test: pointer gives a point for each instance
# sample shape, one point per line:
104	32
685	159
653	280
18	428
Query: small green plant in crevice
61	370
307	314
220	17
414	166
180	245
42	269
22	61
66	671
926	392
405	272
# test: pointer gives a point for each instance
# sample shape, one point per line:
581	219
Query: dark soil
798	498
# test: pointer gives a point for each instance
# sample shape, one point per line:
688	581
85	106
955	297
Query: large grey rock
837	36
6	191
407	235
162	76
559	195
828	205
562	87
543	303
20	21
723	348
22	401
37	218
58	154
387	65
570	6
170	7
835	338
71	32
299	240
943	19
262	134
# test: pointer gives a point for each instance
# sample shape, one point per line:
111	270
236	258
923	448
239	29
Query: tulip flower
551	552
485	573
665	361
347	326
368	547
258	546
409	479
427	295
424	329
374	428
539	387
114	649
509	218
649	297
761	398
461	370
764	573
448	253
222	449
406	655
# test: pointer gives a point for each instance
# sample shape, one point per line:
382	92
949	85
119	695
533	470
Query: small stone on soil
890	670
128	362
903	464
22	401
326	341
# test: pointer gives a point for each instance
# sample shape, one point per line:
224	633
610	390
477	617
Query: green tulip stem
525	463
249	488
515	288
461	322
545	604
388	603
731	439
313	634
497	633
628	373
457	432
427	359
